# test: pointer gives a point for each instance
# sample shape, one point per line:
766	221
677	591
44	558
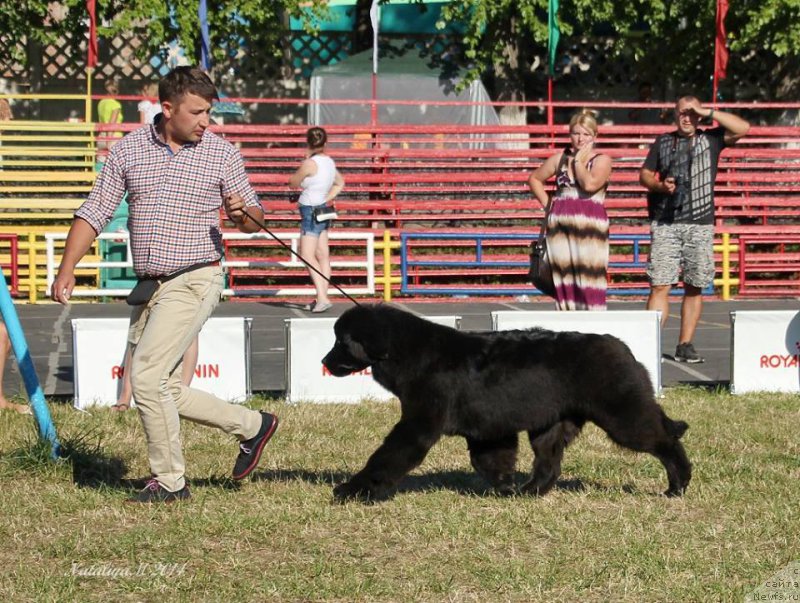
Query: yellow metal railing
726	281
33	262
387	280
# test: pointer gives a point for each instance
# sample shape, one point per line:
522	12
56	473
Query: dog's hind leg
679	469
650	430
495	461
548	446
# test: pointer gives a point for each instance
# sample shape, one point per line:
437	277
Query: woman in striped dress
577	223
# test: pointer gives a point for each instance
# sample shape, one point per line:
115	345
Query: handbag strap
543	229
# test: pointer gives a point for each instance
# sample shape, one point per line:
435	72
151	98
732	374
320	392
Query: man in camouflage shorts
679	173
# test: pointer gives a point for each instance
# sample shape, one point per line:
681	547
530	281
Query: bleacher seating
405	178
46	171
437	178
416	178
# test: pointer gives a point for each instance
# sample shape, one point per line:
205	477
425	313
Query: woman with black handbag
321	182
576	220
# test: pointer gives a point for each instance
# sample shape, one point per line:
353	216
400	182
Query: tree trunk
362	29
509	88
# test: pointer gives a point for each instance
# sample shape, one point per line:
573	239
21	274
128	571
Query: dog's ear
370	347
363	330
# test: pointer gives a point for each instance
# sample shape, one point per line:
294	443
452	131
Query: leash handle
263	227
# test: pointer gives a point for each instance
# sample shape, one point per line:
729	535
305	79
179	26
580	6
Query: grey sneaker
685	352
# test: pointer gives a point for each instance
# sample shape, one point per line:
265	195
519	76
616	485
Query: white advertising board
639	329
98	351
307	342
765	351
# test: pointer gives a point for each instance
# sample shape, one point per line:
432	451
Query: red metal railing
11	269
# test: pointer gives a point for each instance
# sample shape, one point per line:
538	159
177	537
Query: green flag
553	34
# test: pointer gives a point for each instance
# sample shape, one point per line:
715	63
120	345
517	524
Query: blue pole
40	411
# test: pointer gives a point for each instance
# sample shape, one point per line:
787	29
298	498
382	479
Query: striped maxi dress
577	243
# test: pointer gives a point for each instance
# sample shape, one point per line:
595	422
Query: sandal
320	308
22	409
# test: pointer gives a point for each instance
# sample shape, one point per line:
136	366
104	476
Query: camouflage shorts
681	248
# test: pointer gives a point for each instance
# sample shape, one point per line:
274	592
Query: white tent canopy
408	76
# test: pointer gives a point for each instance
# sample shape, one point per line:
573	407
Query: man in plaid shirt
178	175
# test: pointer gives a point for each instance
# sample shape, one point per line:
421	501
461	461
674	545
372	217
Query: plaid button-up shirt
174	198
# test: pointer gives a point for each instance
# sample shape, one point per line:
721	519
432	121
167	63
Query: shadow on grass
714	387
330	478
92	467
469	483
461	482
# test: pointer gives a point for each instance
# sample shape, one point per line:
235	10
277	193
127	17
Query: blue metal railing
409	272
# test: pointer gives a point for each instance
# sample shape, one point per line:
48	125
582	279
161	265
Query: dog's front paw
674	492
505	490
357	490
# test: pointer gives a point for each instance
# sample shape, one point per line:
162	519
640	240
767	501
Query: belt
168	277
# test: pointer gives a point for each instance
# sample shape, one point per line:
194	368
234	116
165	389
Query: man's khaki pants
160	332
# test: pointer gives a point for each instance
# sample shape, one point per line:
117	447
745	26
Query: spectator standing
5	110
577	223
321	182
189	363
109	111
178	175
149	107
679	174
5	349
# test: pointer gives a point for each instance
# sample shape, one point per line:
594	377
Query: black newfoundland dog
487	387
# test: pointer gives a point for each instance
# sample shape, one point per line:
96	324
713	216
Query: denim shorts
308	226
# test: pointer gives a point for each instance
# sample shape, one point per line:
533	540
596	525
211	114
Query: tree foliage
156	23
672	41
233	24
38	21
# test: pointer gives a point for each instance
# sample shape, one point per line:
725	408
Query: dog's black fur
487	387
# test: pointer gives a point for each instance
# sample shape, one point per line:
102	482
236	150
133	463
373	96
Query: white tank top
317	187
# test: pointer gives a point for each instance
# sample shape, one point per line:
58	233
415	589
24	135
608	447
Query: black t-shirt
693	163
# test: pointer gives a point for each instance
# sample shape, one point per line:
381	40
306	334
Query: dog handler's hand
63	286
234	207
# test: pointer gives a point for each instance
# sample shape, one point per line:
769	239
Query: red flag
720	46
91	59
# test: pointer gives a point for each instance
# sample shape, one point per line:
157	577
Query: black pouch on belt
146	287
142	292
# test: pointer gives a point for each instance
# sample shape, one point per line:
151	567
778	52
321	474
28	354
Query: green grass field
606	534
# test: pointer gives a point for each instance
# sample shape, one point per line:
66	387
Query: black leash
263	227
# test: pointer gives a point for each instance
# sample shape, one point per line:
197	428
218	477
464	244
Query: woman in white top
321	182
147	108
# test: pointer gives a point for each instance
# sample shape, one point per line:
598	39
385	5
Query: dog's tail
675	428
